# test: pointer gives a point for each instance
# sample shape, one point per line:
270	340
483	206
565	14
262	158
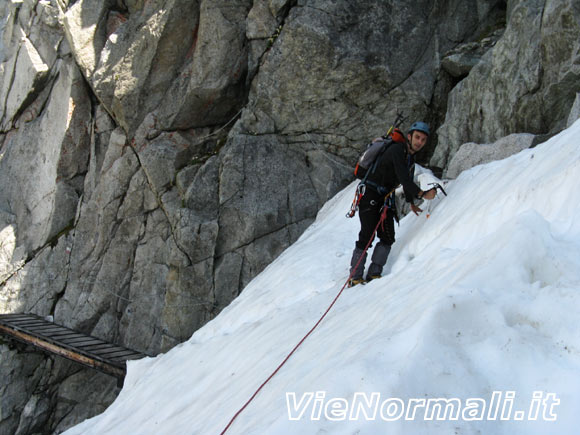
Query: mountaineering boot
355	281
357	267
378	260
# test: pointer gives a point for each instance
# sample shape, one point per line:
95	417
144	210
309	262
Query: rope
382	217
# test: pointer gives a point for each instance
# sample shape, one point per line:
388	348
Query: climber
395	166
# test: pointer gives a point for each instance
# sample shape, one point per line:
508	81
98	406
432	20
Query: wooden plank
48	328
45	329
83	341
73	340
26	327
129	355
133	357
42	326
13	317
66	334
70	335
45	332
83	337
28	323
117	353
23	318
95	347
78	345
113	354
103	352
16	317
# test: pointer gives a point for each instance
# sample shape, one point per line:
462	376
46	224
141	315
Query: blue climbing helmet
420	126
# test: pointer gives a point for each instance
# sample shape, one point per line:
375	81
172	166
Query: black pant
369	214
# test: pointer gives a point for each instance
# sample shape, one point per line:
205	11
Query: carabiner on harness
360	191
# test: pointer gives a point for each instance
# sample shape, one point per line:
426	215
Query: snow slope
483	296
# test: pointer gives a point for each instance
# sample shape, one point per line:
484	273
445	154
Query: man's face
416	141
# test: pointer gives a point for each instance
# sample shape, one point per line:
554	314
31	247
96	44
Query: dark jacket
396	166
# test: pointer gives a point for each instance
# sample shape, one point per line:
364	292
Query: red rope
383	215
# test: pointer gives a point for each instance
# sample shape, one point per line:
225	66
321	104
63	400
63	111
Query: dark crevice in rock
12	78
281	19
241	276
39	90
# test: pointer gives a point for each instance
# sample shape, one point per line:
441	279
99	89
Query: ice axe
438	186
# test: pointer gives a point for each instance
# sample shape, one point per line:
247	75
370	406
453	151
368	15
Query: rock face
156	155
472	154
574	111
526	83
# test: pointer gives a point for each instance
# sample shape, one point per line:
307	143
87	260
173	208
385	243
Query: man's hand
415	209
429	194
